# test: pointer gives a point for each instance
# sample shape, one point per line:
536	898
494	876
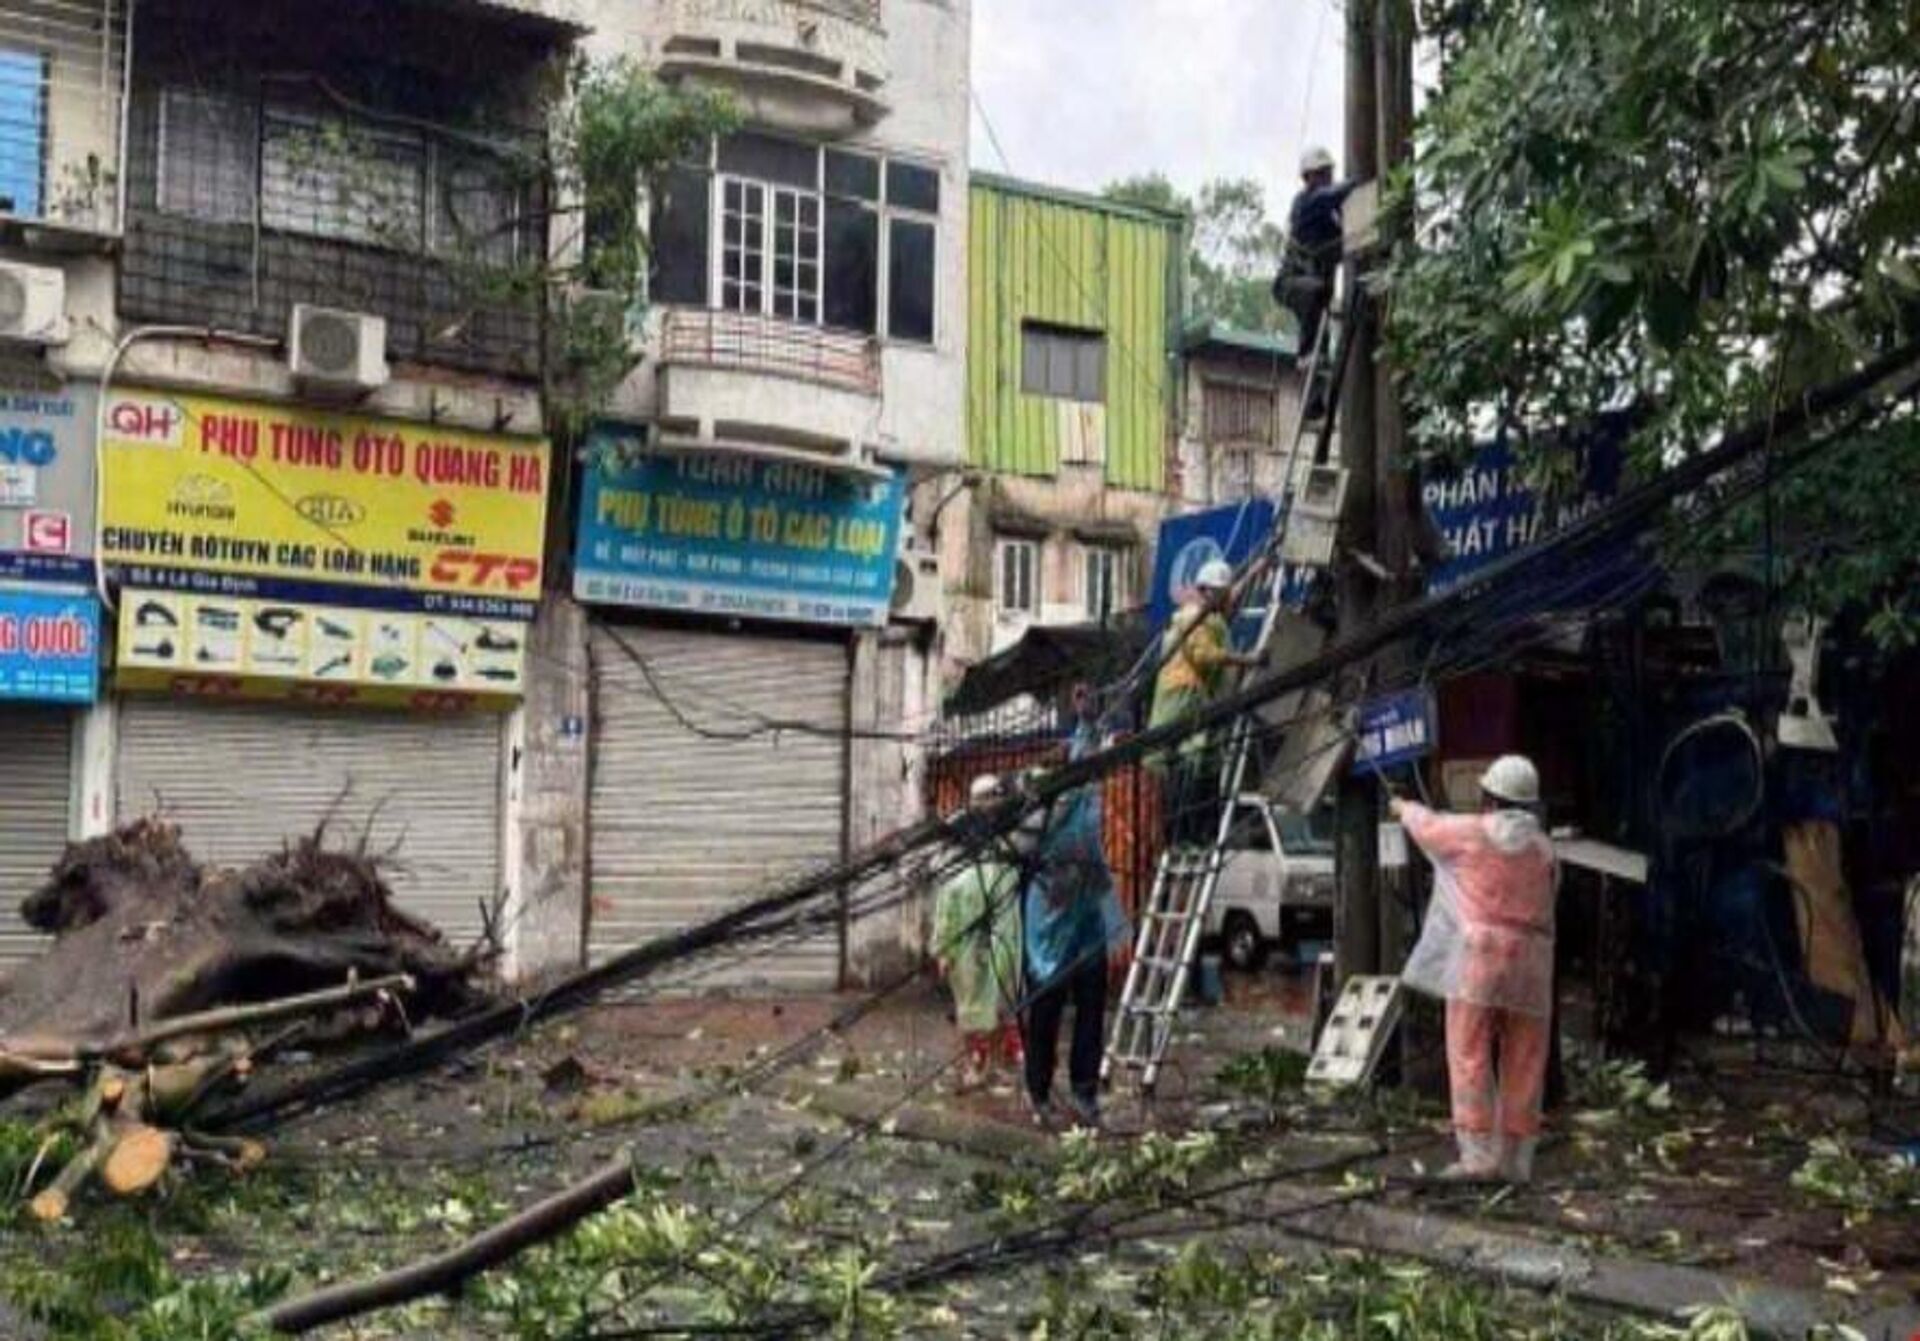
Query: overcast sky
1086	91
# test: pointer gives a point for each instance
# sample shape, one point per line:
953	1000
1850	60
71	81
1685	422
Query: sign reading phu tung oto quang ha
730	535
242	499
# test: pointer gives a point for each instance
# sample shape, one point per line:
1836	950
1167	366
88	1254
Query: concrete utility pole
1393	521
1356	913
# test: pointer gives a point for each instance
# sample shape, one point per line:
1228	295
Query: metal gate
699	802
239	778
36	772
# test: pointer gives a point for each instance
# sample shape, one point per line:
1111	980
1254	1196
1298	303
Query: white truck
1276	887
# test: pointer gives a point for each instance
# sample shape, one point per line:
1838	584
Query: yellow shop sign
223	646
301	500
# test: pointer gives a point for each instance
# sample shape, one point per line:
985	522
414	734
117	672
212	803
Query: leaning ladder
1186	878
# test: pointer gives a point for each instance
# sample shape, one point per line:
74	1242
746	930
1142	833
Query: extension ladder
1184	883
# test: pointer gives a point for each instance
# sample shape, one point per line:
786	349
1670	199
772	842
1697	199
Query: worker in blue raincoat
1072	921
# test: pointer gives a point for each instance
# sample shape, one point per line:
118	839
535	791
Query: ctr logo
441	513
465	568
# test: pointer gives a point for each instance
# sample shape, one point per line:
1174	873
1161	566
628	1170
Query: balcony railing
754	343
62	86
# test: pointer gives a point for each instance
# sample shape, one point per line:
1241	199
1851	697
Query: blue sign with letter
1394	729
731	535
1487	511
49	646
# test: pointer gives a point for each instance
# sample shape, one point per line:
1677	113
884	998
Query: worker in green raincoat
976	943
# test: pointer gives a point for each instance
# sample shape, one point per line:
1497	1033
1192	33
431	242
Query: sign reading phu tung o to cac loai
730	535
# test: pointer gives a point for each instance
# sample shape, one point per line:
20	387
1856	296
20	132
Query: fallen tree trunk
146	936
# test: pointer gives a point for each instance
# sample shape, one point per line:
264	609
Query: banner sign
49	646
1394	729
224	646
1487	511
46	472
1233	532
727	535
281	502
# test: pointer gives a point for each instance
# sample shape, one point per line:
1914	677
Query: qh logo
145	419
441	513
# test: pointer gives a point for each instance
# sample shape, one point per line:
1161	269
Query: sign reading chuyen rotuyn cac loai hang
729	535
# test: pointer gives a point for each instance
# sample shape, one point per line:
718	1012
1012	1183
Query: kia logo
330	510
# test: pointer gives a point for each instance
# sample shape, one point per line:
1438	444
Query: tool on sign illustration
152	614
276	621
445	635
445	670
162	650
497	673
491	640
387	668
333	630
326	668
215	617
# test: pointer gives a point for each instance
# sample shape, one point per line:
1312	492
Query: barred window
1238	413
207	157
332	179
479	207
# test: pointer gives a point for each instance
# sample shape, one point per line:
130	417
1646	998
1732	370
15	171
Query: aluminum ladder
1171	924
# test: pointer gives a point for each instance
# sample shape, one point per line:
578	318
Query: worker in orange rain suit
1487	949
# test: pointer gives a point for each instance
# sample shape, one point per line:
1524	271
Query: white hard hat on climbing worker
1316	159
1512	778
1215	575
984	788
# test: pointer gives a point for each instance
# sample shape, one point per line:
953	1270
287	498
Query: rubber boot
1516	1158
1479	1158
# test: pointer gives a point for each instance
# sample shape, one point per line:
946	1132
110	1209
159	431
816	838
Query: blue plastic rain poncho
1072	913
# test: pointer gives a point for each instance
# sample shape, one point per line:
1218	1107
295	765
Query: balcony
814	67
770	388
62	87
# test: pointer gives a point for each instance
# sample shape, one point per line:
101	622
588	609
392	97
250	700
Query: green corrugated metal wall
1032	257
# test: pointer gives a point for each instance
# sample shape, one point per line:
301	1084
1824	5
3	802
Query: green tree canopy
1233	249
1690	206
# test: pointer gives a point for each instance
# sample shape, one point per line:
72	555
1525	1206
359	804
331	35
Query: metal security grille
35	778
62	82
239	778
685	825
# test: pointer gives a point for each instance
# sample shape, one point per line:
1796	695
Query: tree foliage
1691	207
1233	247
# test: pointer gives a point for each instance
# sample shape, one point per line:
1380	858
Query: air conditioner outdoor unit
918	595
33	304
337	351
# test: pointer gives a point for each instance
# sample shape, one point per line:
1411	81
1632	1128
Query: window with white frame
835	237
1017	584
1106	581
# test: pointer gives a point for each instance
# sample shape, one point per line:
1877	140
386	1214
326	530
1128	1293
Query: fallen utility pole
1627	513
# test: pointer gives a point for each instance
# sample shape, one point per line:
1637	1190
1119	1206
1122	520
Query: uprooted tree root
165	975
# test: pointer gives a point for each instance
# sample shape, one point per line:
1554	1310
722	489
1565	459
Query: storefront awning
1047	659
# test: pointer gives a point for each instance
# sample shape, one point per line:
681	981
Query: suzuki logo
441	513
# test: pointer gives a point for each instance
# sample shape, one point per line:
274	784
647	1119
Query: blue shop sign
1487	510
1233	532
1394	729
730	535
49	646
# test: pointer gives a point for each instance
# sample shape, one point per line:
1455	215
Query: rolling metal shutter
239	778
35	779
686	825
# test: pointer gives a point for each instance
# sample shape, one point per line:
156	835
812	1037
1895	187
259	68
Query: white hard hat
1512	777
1316	159
984	788
1215	575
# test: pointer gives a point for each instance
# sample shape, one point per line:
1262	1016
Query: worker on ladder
976	945
1304	285
1487	949
1196	652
